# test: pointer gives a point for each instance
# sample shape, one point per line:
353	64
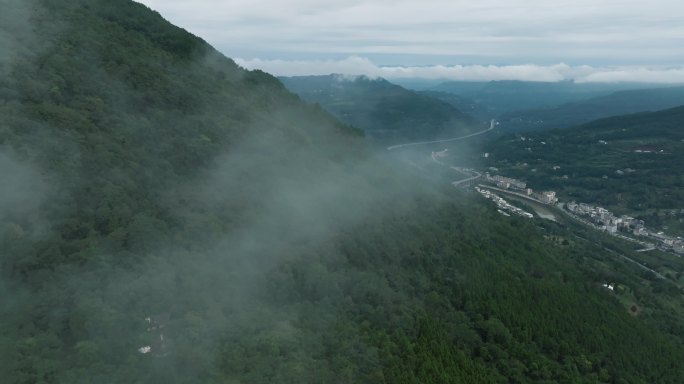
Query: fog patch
272	201
22	187
15	31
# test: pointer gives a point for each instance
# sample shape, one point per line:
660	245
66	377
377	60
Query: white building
549	197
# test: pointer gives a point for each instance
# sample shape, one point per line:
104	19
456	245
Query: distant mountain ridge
510	95
385	111
575	113
462	103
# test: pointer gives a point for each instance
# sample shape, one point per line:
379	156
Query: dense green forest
583	111
629	164
388	113
157	195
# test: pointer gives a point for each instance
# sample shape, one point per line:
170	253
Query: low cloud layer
14	33
608	32
356	66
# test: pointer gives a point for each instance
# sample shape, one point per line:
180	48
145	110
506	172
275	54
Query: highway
492	123
620	255
638	264
476	176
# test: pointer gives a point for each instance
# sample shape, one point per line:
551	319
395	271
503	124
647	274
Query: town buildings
597	216
607	221
546	197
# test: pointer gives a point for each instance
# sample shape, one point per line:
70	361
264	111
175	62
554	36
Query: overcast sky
598	40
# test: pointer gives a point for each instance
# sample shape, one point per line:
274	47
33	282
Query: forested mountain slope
166	216
387	112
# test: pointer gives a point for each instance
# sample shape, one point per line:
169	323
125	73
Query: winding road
475	175
638	264
492	123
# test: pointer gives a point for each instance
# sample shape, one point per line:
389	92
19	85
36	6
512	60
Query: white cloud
616	32
356	66
645	75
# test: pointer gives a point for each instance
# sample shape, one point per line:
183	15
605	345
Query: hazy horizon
626	41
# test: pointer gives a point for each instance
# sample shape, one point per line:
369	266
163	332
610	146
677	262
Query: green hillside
166	216
618	103
387	112
630	164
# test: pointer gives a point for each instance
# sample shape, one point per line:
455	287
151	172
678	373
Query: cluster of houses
502	204
546	197
600	217
607	221
667	242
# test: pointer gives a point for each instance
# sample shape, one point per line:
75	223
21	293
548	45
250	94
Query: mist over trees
155	195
